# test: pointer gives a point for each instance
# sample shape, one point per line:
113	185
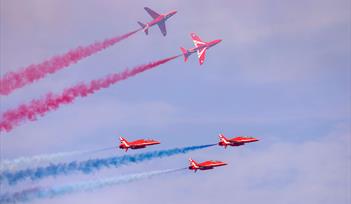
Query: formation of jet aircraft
200	48
206	165
160	19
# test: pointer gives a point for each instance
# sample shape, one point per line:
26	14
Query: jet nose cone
215	42
156	141
171	13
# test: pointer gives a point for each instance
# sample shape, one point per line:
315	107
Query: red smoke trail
50	102
27	75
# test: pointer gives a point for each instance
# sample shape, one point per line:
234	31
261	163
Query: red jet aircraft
200	48
158	19
237	141
204	165
137	144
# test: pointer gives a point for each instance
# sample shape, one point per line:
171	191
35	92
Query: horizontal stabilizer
196	39
185	53
142	25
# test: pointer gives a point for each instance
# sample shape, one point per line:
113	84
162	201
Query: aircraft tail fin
222	137
146	29
123	141
185	53
192	162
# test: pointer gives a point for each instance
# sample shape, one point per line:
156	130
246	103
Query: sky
282	74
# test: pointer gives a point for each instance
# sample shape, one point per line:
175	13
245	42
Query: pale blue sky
282	74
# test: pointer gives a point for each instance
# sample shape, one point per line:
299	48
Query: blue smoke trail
91	165
34	193
23	162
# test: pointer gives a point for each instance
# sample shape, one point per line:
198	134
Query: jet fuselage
159	19
206	45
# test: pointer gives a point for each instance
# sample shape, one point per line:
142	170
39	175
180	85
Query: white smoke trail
93	185
25	162
38	193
